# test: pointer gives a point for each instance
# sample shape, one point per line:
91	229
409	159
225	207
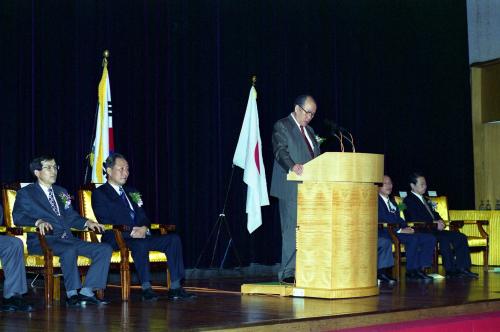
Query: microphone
333	129
337	131
349	140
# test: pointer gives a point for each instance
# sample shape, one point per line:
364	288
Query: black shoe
149	295
423	276
179	294
288	280
73	301
384	277
84	300
453	275
16	303
412	275
469	274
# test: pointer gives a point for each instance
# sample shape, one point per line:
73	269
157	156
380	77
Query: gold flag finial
254	80
105	55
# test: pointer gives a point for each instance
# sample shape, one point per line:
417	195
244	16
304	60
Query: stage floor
221	306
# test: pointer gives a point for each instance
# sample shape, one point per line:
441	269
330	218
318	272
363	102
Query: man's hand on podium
298	169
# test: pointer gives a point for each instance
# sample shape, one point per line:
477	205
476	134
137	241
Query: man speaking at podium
294	144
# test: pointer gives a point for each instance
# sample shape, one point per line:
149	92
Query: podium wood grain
337	226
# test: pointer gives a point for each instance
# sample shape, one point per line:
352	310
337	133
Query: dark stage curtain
394	72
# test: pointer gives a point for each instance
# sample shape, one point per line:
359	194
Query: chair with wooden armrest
477	237
476	243
47	264
122	257
397	248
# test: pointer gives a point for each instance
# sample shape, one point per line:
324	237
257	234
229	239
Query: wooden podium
337	225
336	228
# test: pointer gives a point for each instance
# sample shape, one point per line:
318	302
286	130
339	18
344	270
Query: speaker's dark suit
453	245
32	204
419	247
12	258
289	148
109	208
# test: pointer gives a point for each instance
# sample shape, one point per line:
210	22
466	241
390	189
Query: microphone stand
349	140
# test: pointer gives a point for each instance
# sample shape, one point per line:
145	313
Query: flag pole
218	225
104	62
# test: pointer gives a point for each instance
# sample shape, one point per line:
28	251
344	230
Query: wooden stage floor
221	306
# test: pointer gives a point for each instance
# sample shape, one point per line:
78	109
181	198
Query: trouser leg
288	217
12	257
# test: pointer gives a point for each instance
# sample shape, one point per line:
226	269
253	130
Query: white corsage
136	198
65	199
432	204
319	139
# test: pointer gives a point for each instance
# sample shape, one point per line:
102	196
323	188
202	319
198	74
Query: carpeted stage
444	305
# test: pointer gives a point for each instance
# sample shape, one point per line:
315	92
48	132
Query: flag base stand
220	226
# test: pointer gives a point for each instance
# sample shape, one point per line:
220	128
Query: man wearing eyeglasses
48	207
294	144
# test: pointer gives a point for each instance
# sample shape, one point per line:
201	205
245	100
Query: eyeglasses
121	169
51	167
311	114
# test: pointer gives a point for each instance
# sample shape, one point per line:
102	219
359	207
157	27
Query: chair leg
57	288
125	280
435	262
100	294
48	278
168	278
397	264
486	259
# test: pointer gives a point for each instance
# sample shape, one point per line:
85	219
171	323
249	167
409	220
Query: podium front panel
337	239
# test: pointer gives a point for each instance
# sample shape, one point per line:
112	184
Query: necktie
53	203
125	201
390	207
307	141
428	208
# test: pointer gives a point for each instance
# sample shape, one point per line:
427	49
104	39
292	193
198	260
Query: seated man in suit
385	261
452	245
118	205
12	258
419	247
48	207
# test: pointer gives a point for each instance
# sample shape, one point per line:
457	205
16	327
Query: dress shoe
84	300
16	303
412	275
73	301
386	278
149	295
469	274
288	280
453	275
180	294
424	276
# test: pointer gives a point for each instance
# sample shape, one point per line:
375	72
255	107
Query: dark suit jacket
416	211
109	209
289	148
32	204
384	215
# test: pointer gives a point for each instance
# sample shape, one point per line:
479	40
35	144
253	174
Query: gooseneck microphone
339	132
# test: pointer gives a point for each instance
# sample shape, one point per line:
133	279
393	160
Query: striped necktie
53	203
307	141
427	207
123	196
